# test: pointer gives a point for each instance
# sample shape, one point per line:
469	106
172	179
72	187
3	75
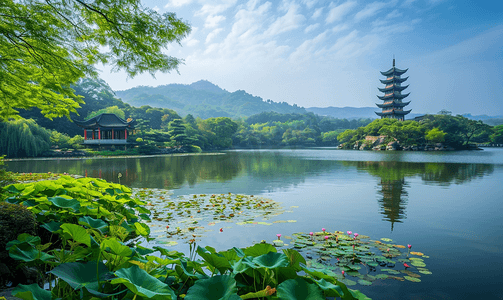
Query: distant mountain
203	99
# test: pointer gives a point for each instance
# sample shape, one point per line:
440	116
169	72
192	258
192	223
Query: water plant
93	250
356	259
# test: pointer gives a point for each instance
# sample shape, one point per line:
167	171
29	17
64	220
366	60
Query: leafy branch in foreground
47	45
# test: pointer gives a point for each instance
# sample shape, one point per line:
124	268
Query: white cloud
317	13
311	27
191	42
306	50
212	21
340	27
155	8
338	12
177	3
408	2
394	14
215	9
309	3
213	34
291	20
370	10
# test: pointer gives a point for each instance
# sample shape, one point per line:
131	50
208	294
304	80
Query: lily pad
413	279
386	240
364	282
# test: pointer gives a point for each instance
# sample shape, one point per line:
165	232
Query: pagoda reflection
393	201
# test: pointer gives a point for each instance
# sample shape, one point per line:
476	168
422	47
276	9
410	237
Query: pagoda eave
394	71
394	79
393	104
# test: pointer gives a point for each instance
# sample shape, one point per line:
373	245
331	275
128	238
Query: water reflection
392	184
255	172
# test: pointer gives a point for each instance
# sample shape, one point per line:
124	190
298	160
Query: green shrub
14	220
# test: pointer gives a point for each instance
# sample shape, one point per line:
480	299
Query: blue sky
329	53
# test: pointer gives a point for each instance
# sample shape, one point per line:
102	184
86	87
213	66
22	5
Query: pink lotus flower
356	234
409	245
278	235
343	273
167	227
323	229
326	237
387	249
221	230
311	233
350	233
406	265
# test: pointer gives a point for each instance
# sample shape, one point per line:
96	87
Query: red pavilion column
125	133
99	134
112	134
85	134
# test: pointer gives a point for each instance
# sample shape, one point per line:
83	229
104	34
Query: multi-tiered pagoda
393	105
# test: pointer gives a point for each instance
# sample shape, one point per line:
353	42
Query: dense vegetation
203	99
455	131
88	238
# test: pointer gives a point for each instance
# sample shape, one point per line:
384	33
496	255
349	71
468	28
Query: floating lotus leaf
416	263
416	259
426	272
417	253
413	279
364	282
355	257
396	278
410	273
278	243
348	282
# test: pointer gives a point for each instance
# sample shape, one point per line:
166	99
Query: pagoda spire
393	105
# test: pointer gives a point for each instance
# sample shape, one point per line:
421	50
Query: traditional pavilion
106	130
393	105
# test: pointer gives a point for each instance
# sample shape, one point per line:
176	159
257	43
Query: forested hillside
204	99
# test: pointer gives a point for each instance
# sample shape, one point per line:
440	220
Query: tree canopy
45	46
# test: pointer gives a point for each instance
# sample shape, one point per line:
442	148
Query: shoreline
108	157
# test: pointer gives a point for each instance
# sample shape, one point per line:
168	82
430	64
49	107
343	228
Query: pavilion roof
110	121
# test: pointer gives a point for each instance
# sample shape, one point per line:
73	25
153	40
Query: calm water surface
447	205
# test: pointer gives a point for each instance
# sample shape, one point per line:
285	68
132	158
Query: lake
445	204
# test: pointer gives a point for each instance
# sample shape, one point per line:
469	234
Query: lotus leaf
416	263
27	253
330	289
259	249
364	282
31	292
63	202
79	275
271	260
93	223
143	284
299	289
218	287
413	279
77	233
426	272
416	253
386	240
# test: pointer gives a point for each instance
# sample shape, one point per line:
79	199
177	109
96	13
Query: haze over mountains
206	100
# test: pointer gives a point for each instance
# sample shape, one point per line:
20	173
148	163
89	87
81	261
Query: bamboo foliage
21	138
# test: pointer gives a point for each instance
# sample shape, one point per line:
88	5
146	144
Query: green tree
219	131
45	46
23	138
497	136
177	132
435	135
108	110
